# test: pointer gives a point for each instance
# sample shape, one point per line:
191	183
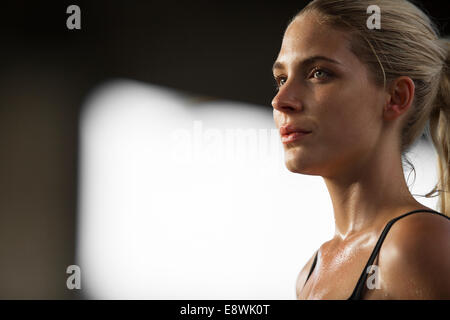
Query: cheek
346	120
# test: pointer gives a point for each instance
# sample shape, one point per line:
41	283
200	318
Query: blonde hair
407	44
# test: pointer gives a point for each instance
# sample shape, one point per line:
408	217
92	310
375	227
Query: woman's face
332	97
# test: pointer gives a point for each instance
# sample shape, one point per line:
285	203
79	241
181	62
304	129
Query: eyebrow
305	62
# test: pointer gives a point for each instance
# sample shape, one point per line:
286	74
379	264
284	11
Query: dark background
220	49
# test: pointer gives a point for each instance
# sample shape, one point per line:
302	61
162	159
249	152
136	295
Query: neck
367	195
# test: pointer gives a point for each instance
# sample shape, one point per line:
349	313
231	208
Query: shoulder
415	258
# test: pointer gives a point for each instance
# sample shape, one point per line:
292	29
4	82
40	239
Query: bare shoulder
303	274
415	258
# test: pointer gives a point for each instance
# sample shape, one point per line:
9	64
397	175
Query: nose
287	99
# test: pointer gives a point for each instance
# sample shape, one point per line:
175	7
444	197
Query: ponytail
440	133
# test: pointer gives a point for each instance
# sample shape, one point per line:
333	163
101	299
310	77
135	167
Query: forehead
306	37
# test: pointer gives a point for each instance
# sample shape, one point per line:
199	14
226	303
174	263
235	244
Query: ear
400	98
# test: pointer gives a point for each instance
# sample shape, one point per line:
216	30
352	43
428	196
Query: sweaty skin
354	145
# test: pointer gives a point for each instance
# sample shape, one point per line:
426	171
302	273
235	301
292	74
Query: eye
320	74
279	81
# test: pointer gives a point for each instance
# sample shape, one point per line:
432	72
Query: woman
350	102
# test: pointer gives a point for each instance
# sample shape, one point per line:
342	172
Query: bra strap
312	267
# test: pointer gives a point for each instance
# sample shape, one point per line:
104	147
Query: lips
288	129
291	133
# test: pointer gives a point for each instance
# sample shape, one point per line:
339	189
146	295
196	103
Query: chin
297	164
296	168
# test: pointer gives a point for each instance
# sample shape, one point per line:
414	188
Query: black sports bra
356	295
